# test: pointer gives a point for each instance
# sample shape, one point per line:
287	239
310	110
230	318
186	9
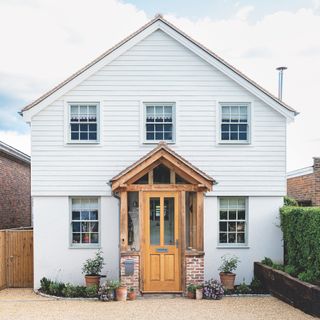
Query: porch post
200	221
123	221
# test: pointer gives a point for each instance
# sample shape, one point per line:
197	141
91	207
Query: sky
44	41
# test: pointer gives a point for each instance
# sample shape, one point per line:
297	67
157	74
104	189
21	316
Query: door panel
161	250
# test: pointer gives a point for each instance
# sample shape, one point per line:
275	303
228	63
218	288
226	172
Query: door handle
177	243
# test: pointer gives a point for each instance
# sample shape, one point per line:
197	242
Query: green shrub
229	264
256	286
307	276
290	202
291	270
278	266
267	261
243	288
68	290
301	233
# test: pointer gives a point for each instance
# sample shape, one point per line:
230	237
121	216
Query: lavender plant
213	289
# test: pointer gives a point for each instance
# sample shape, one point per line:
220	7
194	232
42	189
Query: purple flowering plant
213	289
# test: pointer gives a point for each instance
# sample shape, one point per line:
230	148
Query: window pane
94	215
223	238
232	237
150	136
169	221
76	238
154	221
74	136
240	226
76	227
93	227
85	226
223	215
161	174
86	238
240	238
241	215
75	215
92	136
85	215
232	215
223	226
94	237
159	136
232	226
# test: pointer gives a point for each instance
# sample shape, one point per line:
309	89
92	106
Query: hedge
301	232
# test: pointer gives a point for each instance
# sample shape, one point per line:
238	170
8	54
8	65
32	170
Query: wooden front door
161	249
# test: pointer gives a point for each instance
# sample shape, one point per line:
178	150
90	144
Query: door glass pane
154	221
169	221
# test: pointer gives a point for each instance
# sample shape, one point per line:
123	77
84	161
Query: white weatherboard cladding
158	69
264	237
53	257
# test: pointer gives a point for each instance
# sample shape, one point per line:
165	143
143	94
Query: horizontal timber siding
158	68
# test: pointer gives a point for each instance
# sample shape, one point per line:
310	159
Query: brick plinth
131	280
194	270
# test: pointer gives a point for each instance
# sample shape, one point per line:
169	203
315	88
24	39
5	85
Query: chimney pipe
280	69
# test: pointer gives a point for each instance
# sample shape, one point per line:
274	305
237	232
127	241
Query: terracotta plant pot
92	281
190	295
132	295
121	294
227	280
199	293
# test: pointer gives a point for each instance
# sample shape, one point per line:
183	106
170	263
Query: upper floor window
84	221
83	122
232	221
234	122
159	122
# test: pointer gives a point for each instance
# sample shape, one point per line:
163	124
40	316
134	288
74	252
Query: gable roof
161	151
160	23
14	153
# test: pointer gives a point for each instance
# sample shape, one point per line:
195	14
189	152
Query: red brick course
15	193
194	270
306	187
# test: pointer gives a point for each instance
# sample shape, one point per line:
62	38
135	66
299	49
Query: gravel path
25	305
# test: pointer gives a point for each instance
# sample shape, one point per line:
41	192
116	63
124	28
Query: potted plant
132	294
227	277
121	291
199	292
92	269
191	291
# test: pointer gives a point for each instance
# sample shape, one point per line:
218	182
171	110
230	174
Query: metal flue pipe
280	85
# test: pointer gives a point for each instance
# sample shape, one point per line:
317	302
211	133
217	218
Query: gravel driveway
24	304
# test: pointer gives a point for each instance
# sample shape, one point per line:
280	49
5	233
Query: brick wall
132	280
15	193
306	187
194	270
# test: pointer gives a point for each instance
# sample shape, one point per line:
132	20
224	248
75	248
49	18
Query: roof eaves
15	153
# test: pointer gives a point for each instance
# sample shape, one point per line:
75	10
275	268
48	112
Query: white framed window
85	222
83	122
159	122
233	215
234	122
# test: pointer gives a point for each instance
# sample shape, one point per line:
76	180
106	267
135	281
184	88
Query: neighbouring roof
162	146
300	172
14	153
159	18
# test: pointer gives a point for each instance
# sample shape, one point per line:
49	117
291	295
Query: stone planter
132	295
295	292
227	280
190	295
199	293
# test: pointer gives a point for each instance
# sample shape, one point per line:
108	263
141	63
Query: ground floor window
84	221
232	221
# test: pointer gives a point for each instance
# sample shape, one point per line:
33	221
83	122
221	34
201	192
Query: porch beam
183	239
123	221
163	187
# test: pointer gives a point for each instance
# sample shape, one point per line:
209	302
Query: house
15	193
164	156
304	184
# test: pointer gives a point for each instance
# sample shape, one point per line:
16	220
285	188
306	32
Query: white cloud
243	13
19	141
42	42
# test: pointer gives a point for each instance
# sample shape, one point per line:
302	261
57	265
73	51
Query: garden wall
299	294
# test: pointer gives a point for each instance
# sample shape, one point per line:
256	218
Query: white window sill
87	143
157	142
234	143
83	246
233	247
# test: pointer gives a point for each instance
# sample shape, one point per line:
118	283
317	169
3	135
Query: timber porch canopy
161	212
